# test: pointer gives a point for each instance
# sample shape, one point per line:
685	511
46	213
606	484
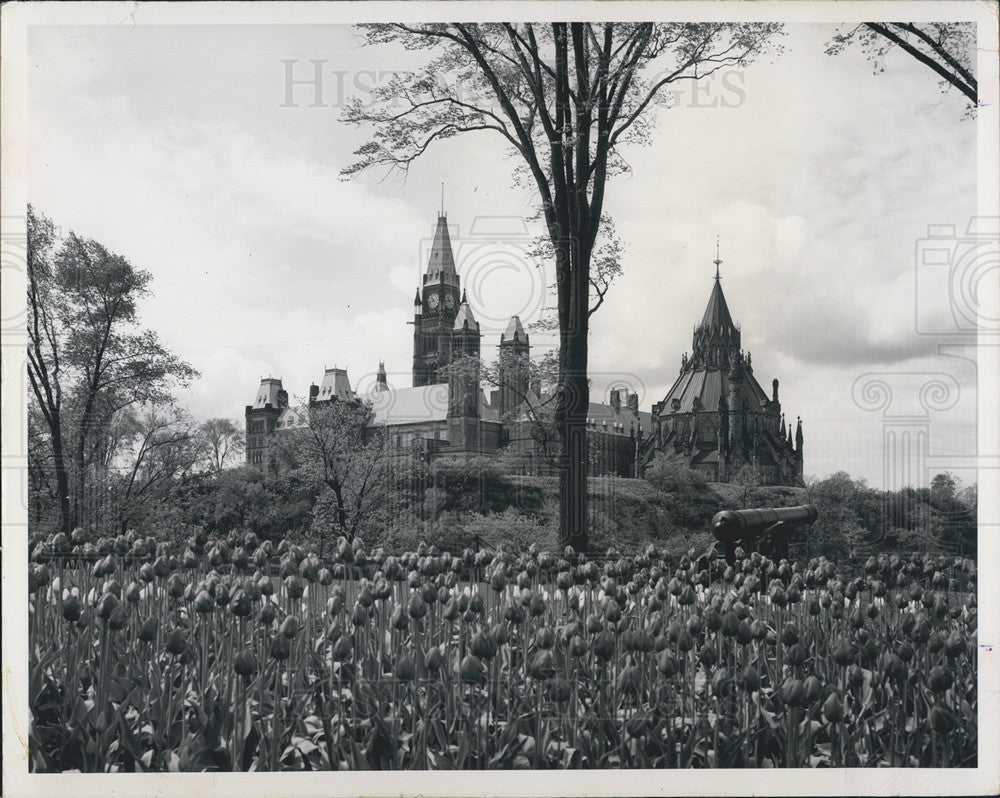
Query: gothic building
716	417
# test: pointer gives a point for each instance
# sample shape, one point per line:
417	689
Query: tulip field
236	654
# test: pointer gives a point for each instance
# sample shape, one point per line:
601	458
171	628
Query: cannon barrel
734	526
743	523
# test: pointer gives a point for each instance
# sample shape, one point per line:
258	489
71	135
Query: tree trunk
572	408
62	481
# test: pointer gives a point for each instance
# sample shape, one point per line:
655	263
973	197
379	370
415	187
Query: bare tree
156	447
947	49
564	97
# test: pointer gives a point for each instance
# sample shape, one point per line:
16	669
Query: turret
513	368
464	379
798	436
463	383
381	381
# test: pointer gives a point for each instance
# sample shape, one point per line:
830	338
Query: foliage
948	49
90	364
335	445
268	504
856	520
564	97
241	655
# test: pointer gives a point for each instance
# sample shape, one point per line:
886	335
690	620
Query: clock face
432	300
449	301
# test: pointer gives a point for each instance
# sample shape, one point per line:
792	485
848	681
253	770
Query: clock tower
434	310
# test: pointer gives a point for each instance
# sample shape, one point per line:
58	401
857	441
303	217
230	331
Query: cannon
750	528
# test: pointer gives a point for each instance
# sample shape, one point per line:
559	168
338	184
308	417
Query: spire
718	260
514	331
717	314
381	381
416	299
465	318
441	258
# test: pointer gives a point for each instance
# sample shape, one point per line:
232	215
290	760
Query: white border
17	17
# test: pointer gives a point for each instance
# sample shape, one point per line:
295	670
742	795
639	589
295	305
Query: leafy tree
88	359
564	97
335	445
222	441
948	49
953	516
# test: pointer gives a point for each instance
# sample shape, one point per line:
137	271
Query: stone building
716	417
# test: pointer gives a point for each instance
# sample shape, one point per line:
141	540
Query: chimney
313	392
633	402
774	390
616	400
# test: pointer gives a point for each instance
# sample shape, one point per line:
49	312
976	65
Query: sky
180	148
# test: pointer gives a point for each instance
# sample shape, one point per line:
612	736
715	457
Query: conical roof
465	317
717	313
441	258
514	331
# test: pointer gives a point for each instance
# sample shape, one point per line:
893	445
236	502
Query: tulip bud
404	669
604	646
708	655
941	720
245	664
268	612
545	637
289	627
203	602
921	631
813	688
833	708
147	631
954	645
855	676
343	649
483	645
667	664
416	607
72	608
750	679
843	652
175	641
940	679
471	670
295	586
433	659
281	647
108	602
793	692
